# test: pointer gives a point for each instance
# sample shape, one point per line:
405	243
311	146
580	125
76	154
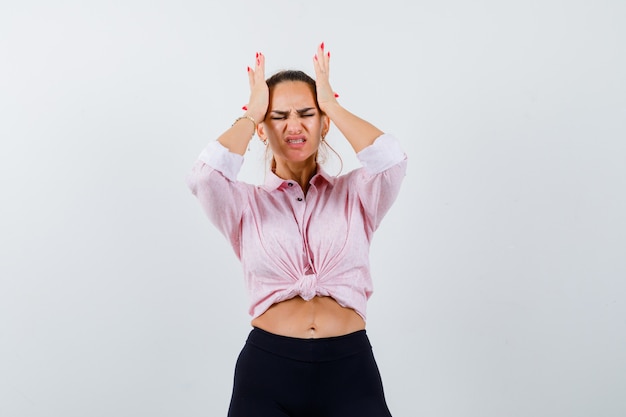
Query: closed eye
282	115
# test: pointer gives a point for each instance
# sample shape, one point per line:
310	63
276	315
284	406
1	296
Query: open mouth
294	140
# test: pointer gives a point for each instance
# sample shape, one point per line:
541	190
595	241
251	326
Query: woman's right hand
259	92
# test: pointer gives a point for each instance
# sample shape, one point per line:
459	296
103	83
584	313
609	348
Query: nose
294	124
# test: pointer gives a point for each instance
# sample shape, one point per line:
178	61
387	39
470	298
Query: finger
316	66
251	78
318	63
320	57
260	67
326	60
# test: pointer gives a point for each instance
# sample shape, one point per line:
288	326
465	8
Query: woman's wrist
255	115
331	109
246	117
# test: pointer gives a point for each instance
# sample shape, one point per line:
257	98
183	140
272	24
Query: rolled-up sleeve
213	180
378	182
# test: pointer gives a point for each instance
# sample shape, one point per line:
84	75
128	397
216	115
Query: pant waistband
310	350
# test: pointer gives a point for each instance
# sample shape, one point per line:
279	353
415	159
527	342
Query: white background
500	272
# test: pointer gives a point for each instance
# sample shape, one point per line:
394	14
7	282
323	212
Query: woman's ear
325	125
260	131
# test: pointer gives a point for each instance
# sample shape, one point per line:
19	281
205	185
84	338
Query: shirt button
299	198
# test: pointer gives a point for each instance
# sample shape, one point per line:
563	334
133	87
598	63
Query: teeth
296	141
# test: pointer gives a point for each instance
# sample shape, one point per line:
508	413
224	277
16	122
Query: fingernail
315	57
248	69
322	45
244	108
257	54
336	95
329	54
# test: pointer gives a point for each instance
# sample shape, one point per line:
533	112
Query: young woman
303	240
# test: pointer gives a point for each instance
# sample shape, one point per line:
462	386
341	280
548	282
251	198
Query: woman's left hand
360	133
325	94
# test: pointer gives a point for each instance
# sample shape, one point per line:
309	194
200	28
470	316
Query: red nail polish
257	54
322	45
336	95
328	54
248	69
244	108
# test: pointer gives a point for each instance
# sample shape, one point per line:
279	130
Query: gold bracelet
245	117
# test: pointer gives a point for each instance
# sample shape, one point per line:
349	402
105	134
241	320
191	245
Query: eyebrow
300	111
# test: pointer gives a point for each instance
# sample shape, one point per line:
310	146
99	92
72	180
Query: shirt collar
274	182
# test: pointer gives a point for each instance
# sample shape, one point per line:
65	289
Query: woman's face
293	125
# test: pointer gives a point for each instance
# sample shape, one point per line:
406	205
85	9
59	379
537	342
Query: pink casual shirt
295	245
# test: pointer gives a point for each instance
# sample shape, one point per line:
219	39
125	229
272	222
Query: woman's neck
298	172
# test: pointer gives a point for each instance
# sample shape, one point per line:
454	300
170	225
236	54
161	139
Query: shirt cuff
218	157
384	153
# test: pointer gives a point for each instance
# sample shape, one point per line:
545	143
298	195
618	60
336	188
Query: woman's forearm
359	133
237	138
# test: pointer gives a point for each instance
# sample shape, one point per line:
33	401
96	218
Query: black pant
278	376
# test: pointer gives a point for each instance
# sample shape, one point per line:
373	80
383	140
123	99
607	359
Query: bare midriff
316	318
